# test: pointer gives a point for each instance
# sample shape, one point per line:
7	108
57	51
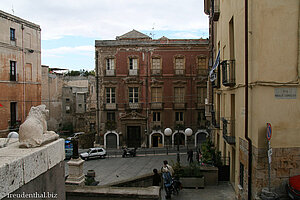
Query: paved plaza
115	168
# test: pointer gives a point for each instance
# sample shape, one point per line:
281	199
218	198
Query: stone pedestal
76	175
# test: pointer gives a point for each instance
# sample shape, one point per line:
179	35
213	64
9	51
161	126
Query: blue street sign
269	131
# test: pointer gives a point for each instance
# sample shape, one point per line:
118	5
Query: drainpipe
212	59
97	99
23	63
246	104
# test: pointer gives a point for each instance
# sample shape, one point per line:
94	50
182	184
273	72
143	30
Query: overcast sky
70	27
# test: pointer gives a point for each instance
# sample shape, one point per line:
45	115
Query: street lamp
188	132
167	132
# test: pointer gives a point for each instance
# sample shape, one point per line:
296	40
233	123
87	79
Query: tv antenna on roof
152	33
12	9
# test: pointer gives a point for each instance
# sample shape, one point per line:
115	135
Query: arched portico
117	138
154	133
200	136
180	132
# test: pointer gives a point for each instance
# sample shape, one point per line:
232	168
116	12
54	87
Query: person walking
156	179
190	156
166	167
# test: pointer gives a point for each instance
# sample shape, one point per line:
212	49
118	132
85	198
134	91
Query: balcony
110	125
110	72
155	71
179	106
215	115
156	105
179	72
134	106
217	83
202	72
228	73
156	125
216	10
110	106
229	131
133	72
200	105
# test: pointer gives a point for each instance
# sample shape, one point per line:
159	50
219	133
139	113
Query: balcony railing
156	105
110	106
200	105
179	105
134	106
111	125
215	118
110	72
229	131
228	73
179	72
156	125
202	72
133	72
156	71
216	10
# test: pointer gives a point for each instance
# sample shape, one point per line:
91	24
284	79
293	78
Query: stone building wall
285	163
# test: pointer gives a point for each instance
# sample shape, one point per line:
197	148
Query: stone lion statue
33	132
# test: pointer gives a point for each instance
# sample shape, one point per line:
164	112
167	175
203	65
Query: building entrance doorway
133	136
111	141
179	139
156	140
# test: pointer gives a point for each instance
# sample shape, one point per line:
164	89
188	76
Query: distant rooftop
131	35
19	20
136	38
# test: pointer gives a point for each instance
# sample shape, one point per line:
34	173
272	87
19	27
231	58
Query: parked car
293	187
93	153
75	135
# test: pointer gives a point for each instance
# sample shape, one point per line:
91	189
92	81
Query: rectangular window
179	116
12	34
241	175
13	66
156	94
202	62
156	67
201	118
156	63
179	95
110	95
133	64
111	116
133	95
231	39
156	116
13	113
179	66
110	64
201	95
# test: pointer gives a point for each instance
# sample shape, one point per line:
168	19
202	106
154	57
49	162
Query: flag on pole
212	74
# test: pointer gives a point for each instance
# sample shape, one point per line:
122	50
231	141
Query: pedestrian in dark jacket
190	156
156	178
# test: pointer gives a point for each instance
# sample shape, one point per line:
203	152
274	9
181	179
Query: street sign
269	131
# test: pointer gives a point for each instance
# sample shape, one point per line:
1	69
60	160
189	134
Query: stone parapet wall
111	193
285	163
20	166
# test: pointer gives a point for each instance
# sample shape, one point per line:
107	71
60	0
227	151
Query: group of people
167	173
190	154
